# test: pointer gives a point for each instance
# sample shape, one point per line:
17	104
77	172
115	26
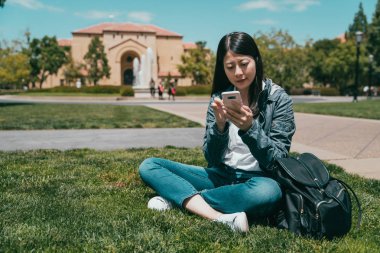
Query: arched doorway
128	77
126	64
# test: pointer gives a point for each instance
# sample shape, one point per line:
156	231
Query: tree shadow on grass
7	104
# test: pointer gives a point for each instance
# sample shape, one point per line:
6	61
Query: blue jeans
225	189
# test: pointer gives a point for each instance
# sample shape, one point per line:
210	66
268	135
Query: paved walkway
351	143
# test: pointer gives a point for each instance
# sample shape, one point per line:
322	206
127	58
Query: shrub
127	91
193	90
99	89
59	89
329	92
181	91
300	91
323	91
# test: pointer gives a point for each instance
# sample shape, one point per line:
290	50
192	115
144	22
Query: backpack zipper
326	201
301	204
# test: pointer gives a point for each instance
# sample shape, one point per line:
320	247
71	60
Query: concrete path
351	143
100	139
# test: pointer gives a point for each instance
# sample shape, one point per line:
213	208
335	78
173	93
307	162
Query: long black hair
239	43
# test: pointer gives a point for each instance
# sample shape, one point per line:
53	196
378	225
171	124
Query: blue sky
196	20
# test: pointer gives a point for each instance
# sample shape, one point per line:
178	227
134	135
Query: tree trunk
42	80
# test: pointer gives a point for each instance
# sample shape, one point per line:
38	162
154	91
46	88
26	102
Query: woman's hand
220	113
242	117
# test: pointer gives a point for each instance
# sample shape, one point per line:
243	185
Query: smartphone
232	99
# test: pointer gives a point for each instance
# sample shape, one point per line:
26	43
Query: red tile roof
64	42
126	27
189	45
342	38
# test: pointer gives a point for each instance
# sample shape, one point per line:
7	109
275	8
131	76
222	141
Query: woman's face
240	69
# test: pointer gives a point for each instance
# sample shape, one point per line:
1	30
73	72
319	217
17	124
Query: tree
340	65
284	61
2	3
374	35
318	55
198	64
97	61
72	71
46	58
359	24
14	68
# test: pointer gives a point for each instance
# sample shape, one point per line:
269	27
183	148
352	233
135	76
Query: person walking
240	145
160	91
152	85
171	90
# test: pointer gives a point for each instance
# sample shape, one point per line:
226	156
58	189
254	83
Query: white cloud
278	5
141	16
265	22
34	5
259	4
94	14
301	5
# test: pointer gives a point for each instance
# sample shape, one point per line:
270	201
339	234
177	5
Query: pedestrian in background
160	91
152	85
171	90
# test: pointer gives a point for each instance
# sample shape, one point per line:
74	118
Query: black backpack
314	204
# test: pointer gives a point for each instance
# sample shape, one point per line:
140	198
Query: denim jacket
271	133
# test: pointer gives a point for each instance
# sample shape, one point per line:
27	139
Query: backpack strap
356	198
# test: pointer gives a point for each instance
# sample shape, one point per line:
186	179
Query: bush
127	91
181	91
329	92
60	89
315	91
193	90
99	89
300	91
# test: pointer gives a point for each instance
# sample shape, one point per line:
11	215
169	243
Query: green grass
368	109
86	200
68	116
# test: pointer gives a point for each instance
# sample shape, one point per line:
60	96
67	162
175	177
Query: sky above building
196	20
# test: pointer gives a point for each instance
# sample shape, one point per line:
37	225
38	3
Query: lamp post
370	61
358	37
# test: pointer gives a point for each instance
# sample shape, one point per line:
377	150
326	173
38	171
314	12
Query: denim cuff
250	131
219	134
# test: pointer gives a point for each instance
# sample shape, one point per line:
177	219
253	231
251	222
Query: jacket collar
269	90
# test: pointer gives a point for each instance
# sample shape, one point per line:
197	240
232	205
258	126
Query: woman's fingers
242	118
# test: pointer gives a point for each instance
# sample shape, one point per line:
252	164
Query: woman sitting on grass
240	145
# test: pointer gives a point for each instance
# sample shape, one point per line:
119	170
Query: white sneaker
159	203
238	222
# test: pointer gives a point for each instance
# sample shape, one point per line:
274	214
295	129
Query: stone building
134	51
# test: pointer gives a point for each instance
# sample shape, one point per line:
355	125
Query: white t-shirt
238	155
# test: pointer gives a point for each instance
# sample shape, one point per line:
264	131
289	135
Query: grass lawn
86	200
369	109
74	116
65	94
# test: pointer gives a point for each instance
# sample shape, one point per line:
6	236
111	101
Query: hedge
322	91
127	91
99	89
193	90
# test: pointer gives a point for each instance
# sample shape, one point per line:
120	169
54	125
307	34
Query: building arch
126	66
128	45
